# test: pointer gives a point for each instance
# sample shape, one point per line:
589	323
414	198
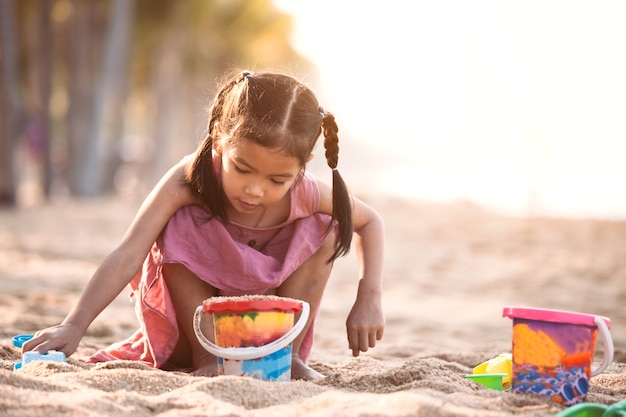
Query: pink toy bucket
553	352
253	334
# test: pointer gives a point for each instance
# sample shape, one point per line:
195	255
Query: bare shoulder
326	196
168	195
173	186
362	213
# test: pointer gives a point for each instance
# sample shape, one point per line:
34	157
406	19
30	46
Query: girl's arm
117	270
365	323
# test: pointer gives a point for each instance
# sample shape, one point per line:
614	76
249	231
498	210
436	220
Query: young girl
241	216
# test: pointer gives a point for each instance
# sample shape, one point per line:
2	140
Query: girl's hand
365	325
62	338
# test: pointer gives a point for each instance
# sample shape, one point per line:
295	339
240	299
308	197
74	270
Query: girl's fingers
30	344
364	341
361	341
41	344
372	339
353	342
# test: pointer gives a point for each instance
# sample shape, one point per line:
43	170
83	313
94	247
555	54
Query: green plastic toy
493	381
594	410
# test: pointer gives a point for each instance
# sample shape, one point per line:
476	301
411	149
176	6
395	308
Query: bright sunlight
518	106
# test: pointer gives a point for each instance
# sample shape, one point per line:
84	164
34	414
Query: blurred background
515	106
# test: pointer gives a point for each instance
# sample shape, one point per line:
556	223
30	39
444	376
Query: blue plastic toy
28	357
20	339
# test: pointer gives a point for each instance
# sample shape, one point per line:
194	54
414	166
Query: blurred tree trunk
9	103
72	86
167	85
167	82
43	59
81	35
100	141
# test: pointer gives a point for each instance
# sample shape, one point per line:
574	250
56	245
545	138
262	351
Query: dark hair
275	111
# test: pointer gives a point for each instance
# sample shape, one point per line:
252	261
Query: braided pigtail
342	203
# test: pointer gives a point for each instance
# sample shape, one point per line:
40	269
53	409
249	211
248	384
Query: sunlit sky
516	105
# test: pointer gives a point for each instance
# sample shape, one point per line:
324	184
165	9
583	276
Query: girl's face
254	178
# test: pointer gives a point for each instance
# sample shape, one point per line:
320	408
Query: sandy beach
449	271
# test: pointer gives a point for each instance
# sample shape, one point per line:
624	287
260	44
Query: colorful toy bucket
553	352
253	334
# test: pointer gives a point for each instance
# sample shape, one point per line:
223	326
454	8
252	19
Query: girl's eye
245	171
241	171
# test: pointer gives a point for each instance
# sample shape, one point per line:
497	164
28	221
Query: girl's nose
254	189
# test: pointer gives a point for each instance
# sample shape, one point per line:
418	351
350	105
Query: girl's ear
310	158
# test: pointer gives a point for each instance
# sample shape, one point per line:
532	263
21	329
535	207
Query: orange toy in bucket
253	334
553	352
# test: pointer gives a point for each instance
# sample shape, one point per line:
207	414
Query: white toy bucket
253	334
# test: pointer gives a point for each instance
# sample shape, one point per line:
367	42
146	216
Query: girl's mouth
248	206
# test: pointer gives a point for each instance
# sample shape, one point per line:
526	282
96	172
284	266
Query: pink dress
235	259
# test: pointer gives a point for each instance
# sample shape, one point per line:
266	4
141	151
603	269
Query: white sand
450	269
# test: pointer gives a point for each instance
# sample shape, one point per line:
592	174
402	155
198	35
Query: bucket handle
607	343
251	352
